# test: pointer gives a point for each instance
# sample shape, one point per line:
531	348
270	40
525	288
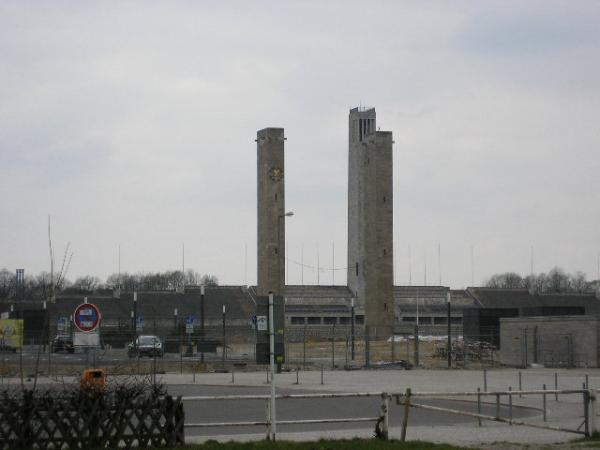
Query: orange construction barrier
93	380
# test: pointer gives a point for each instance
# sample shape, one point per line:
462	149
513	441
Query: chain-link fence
121	350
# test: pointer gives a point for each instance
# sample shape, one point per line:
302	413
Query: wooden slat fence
84	421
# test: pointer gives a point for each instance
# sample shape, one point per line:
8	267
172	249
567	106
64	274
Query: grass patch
353	444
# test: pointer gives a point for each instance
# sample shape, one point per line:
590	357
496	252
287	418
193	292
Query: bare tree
556	281
7	283
578	282
508	280
209	280
87	283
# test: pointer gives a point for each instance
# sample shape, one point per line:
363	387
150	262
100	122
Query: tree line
555	281
39	286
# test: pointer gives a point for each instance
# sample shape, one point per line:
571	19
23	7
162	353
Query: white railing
382	420
589	424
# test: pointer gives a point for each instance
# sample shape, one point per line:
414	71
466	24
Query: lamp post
352	328
224	344
448	303
175	319
202	324
279	252
135	321
46	336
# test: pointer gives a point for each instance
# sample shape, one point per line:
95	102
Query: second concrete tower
271	210
370	220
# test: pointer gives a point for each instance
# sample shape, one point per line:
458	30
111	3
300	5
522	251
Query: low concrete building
553	341
482	321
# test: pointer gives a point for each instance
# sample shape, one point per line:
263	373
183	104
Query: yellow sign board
11	333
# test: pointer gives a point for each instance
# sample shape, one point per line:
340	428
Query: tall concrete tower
370	220
271	210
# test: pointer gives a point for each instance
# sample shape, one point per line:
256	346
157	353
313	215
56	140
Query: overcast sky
133	123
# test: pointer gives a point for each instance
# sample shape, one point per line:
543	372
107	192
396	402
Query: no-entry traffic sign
86	317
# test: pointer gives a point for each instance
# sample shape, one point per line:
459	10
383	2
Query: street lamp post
448	303
224	343
135	321
202	324
352	327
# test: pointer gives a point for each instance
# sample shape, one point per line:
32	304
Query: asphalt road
288	409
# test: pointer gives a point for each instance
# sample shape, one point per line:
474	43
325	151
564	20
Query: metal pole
304	349
479	404
484	380
224	342
367	340
347	341
135	322
520	384
586	411
416	357
556	386
593	412
202	324
272	363
544	401
352	329
333	347
448	303
510	405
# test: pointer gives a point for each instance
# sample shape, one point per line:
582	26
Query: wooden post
322	374
497	406
544	401
385	416
479	404
405	417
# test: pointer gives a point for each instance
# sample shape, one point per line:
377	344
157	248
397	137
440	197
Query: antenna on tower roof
439	264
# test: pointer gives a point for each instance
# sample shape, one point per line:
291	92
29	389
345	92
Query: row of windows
424	320
299	320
